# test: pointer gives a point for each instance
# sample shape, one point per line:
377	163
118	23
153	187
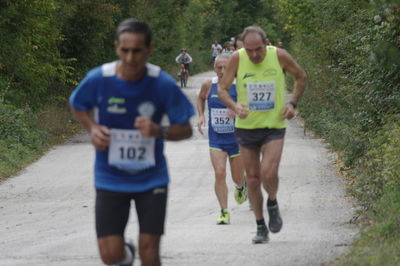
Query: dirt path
46	212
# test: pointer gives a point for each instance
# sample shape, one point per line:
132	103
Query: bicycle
183	76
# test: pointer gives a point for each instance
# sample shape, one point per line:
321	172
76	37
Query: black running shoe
275	220
262	235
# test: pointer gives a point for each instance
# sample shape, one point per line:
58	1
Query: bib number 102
132	153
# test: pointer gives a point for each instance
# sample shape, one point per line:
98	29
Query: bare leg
111	249
272	152
149	249
237	170
218	160
251	160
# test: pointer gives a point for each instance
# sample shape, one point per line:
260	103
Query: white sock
128	256
239	187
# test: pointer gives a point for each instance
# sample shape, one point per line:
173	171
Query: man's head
183	51
238	42
133	42
254	41
221	63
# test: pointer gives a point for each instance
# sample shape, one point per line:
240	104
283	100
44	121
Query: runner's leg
271	156
149	249
251	160
237	170
111	249
218	160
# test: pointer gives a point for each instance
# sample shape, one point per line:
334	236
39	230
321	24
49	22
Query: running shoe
241	194
275	220
131	247
224	218
262	235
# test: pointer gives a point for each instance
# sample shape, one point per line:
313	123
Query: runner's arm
99	135
290	66
174	132
201	102
227	80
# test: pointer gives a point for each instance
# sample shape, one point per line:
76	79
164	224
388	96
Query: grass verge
26	136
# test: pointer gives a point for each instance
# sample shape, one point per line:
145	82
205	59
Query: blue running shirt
116	104
220	127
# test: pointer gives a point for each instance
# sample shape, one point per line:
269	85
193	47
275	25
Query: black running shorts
255	138
112	211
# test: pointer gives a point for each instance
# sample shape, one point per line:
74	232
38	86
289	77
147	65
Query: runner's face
255	47
220	66
132	51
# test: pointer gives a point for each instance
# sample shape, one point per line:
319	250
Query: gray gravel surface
47	210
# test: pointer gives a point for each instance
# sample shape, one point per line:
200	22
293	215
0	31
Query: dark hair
254	29
237	38
134	26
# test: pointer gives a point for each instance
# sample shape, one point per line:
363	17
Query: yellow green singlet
262	87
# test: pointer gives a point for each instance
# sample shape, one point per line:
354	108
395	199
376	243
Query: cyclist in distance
185	59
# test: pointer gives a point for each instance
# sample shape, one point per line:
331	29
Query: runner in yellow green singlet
261	111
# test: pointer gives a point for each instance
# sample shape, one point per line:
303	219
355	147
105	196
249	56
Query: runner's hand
200	124
100	136
241	110
230	113
288	111
147	127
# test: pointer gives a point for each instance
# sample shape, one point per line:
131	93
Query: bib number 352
130	150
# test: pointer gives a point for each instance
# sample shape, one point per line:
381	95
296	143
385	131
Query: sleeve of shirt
84	96
178	107
178	58
190	58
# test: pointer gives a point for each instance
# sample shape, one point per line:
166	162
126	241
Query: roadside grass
379	241
26	135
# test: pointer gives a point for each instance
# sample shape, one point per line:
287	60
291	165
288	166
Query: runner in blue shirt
222	141
128	98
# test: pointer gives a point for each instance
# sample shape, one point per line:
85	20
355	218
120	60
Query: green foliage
88	29
29	58
19	137
350	50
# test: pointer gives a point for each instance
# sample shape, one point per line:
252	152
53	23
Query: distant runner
222	141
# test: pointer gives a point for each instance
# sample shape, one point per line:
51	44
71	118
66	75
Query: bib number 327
261	96
130	150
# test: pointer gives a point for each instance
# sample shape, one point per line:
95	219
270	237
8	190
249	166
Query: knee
220	175
110	256
253	181
269	174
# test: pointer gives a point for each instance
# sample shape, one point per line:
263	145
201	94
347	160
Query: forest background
349	49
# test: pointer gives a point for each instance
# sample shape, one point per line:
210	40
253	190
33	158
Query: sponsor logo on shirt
270	72
248	75
113	107
115	100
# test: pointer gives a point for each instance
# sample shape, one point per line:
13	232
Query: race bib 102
130	150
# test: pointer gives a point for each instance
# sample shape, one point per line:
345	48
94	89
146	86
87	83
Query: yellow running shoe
224	218
241	194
